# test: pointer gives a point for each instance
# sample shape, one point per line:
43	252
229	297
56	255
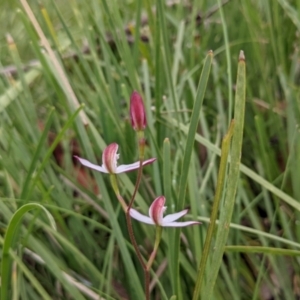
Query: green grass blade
265	250
188	153
47	156
228	61
218	196
15	90
9	242
233	178
244	169
39	148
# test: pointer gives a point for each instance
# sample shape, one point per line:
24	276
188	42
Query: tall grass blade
232	180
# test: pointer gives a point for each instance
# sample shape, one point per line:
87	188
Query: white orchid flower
156	212
109	162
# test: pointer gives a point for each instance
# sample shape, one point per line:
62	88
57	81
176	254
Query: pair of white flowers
157	208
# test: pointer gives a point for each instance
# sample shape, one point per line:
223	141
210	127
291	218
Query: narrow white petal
134	166
90	165
142	218
128	168
173	217
179	224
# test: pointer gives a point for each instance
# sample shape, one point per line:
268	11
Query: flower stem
150	261
141	141
140	170
157	241
114	183
138	253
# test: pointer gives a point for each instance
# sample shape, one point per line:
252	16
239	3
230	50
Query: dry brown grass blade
44	42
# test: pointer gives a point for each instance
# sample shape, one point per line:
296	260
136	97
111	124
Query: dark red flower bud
137	112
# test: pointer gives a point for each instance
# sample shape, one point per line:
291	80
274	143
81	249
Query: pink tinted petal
110	157
142	218
134	166
175	216
149	161
90	165
137	112
180	224
157	209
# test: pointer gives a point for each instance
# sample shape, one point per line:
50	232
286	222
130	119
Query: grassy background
107	49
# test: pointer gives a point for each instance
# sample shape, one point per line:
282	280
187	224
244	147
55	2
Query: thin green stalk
50	26
128	217
138	253
165	48
217	199
233	178
155	248
168	194
262	249
151	259
114	183
227	49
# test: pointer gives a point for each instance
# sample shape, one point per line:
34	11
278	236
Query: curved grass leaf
9	242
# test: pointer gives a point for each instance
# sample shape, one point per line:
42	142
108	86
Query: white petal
179	224
173	217
127	168
90	165
134	166
142	218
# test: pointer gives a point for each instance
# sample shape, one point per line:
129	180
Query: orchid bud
137	112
